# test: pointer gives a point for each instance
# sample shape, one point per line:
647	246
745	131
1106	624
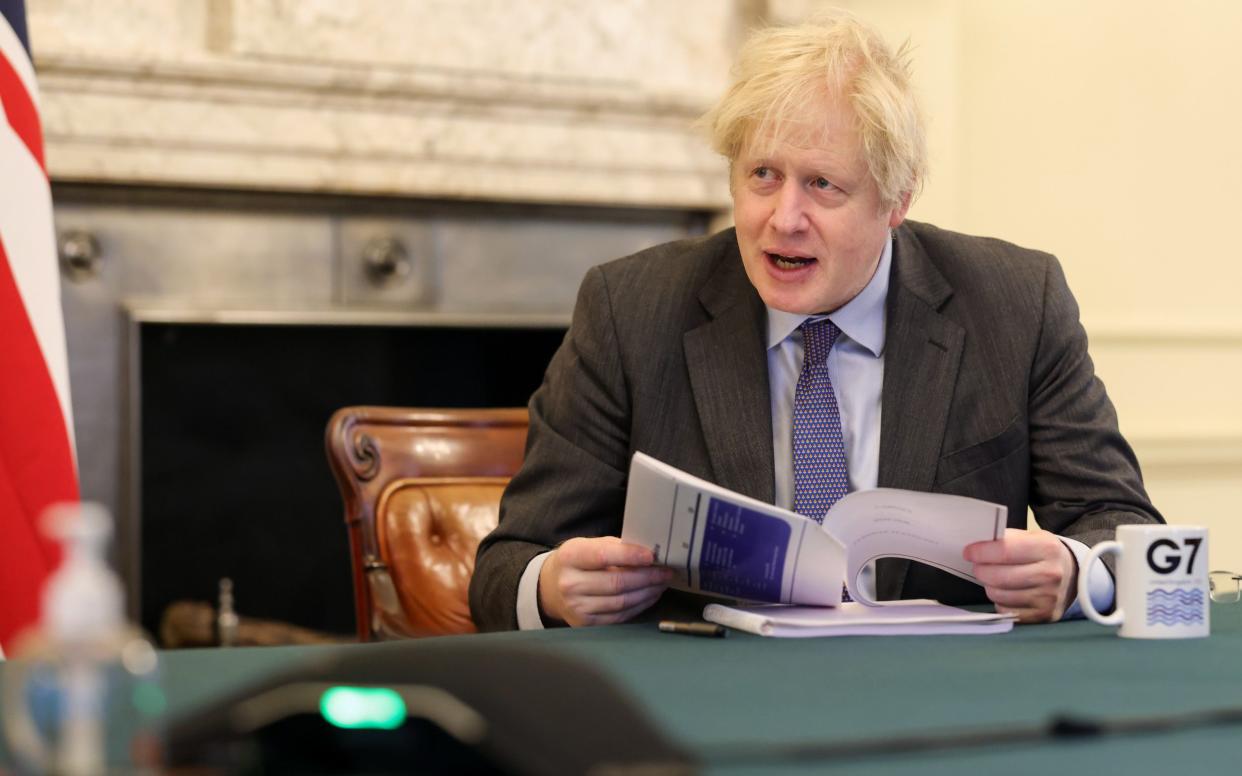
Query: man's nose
789	209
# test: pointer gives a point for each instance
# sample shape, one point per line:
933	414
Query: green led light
149	699
362	707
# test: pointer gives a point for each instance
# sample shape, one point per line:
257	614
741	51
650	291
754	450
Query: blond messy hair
784	76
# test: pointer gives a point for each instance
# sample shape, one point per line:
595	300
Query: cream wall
1106	132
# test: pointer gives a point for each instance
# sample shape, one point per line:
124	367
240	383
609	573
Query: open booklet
725	544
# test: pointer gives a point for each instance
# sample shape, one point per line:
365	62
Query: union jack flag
37	464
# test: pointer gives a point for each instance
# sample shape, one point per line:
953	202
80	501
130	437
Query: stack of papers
916	617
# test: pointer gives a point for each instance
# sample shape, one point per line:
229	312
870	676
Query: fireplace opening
233	477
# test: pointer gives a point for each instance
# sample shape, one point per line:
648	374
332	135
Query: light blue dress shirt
856	368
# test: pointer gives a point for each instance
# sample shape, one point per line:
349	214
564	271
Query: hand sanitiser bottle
83	696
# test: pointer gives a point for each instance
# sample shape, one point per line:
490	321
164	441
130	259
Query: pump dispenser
83	604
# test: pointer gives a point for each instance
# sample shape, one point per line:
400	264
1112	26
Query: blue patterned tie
820	473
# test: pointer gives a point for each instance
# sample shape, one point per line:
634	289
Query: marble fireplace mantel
584	103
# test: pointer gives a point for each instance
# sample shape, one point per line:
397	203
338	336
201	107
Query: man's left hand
1030	573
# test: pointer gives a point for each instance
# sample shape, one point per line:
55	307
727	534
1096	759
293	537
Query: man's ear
898	213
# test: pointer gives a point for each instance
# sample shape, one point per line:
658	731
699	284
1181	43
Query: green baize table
707	694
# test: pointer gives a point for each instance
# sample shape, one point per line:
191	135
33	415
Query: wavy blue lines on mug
1177	606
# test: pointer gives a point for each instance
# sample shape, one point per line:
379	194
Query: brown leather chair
421	489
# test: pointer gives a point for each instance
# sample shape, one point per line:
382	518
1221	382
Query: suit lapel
727	361
923	350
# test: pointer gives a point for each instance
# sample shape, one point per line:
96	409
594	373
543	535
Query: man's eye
763	173
822	184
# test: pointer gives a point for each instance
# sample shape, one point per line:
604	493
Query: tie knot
817	339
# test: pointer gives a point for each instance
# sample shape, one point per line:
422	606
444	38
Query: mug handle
1084	577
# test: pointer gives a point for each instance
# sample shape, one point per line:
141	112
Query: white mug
1162	582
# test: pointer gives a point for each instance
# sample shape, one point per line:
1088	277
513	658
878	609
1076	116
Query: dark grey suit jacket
988	392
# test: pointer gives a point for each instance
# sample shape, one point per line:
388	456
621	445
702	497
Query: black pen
708	629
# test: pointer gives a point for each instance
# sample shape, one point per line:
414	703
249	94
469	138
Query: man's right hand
599	581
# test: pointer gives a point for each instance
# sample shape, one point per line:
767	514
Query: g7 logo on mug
1168	561
1162	582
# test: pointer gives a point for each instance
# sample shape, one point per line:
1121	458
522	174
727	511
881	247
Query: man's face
809	221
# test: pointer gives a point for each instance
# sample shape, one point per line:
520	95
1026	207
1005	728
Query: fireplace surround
212	334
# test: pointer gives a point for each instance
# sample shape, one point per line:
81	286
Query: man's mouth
785	261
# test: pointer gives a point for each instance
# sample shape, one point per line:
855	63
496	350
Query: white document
893	618
726	544
932	528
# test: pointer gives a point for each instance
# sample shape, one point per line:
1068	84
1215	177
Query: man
823	344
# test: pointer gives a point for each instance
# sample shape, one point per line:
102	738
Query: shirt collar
861	319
